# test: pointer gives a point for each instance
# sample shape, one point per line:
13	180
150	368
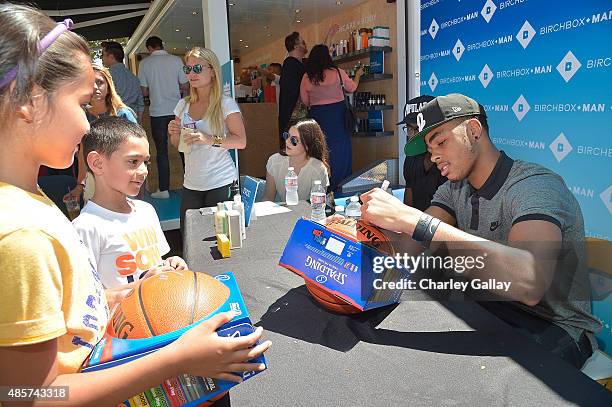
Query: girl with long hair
209	169
306	151
321	91
53	308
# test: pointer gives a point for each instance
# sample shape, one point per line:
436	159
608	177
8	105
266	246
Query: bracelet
430	232
217	140
421	227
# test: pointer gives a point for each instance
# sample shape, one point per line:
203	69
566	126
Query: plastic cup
73	206
182	146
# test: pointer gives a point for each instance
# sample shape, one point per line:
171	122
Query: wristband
430	232
421	227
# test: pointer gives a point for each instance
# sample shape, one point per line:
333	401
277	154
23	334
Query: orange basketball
367	234
167	302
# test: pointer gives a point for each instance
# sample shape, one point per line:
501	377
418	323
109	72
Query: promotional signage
542	71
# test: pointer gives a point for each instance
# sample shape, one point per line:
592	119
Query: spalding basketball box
184	390
340	265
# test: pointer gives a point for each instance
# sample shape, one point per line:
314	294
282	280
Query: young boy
123	235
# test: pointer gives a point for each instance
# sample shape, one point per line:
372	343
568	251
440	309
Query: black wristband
421	227
430	232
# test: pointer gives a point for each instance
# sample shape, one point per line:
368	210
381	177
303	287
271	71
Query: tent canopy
97	19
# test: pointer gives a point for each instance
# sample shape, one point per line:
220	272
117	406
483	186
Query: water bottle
291	187
317	202
353	209
339	210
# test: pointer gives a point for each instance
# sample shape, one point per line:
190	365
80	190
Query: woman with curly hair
105	101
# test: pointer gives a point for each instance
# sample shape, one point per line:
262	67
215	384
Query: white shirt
208	167
162	73
278	166
122	245
276	84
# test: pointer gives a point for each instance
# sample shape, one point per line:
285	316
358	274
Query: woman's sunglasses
197	68
292	139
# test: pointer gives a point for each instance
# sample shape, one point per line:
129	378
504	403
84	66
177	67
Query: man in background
273	74
127	84
422	177
291	76
162	79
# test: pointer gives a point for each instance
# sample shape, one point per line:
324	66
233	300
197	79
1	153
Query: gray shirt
518	191
127	86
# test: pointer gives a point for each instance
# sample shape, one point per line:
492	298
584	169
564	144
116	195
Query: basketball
366	234
167	302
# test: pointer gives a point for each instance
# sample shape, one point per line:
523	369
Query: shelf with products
375	77
360	54
374	108
374	134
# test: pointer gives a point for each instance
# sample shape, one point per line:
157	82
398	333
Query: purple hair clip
42	46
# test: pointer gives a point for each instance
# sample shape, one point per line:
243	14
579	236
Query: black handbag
350	116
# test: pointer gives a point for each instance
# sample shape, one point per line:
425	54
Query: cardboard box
338	264
184	390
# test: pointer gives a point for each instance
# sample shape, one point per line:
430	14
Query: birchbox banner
542	71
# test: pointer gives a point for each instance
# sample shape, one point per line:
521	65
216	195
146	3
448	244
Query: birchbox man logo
560	147
485	76
606	197
458	50
488	10
521	107
525	34
433	82
433	29
568	66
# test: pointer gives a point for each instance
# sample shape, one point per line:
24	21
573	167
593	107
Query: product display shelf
360	54
376	77
374	134
374	108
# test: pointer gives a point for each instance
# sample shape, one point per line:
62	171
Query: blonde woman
209	168
105	101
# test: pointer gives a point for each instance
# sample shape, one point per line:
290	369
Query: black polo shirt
423	182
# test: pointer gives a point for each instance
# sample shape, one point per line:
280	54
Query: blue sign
542	71
248	191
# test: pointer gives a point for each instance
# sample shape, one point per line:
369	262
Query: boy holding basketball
123	235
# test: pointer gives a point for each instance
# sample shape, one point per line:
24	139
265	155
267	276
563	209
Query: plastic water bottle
317	202
339	210
353	209
291	187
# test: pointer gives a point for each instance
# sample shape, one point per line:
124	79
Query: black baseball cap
443	109
411	110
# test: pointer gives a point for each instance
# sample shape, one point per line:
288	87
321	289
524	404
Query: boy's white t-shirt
207	167
123	246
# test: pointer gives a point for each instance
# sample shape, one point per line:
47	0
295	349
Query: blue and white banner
543	71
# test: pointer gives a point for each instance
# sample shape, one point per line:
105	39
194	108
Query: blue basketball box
184	390
340	265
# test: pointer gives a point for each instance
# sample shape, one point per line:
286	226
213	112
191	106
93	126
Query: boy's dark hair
290	40
276	64
107	134
115	49
154	42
